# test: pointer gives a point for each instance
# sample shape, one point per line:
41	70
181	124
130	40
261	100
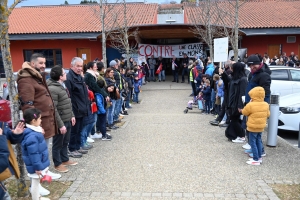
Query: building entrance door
85	54
273	50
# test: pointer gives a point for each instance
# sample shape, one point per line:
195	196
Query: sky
58	2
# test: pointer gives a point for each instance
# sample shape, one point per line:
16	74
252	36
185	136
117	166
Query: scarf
95	74
260	66
35	128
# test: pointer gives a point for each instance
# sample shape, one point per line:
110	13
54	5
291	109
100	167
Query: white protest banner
220	49
168	51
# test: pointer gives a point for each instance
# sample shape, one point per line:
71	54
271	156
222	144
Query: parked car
285	80
289	112
5	94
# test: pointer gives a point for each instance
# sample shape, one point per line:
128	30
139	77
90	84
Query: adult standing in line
80	104
161	75
34	93
152	63
64	117
185	70
175	67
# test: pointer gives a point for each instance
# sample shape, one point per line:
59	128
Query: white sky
58	2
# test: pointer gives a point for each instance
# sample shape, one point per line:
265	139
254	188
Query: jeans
118	108
101	124
175	75
75	138
86	130
256	145
127	100
262	145
185	70
110	112
60	146
136	97
207	106
152	75
213	98
162	75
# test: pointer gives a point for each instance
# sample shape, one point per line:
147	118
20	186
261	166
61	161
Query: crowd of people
74	109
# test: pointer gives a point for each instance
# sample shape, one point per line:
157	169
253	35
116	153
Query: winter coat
137	85
257	111
237	89
162	62
260	78
152	63
34	93
109	81
7	155
210	69
34	151
62	102
91	81
81	105
220	88
100	104
118	79
206	93
176	65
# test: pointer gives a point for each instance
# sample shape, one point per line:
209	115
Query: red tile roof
84	18
75	18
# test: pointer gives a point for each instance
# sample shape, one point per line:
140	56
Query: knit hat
253	60
112	63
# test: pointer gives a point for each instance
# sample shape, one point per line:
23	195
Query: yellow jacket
257	110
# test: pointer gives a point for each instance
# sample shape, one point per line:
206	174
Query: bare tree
227	16
204	20
5	11
122	32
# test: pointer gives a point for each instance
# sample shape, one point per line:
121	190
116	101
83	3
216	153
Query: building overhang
54	36
270	31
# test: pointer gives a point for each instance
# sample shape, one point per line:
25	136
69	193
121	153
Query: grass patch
286	191
56	189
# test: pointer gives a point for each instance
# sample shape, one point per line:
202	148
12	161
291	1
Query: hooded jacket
62	102
257	111
34	93
210	69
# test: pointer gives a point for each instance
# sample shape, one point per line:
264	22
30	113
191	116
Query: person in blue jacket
101	105
34	150
8	162
207	96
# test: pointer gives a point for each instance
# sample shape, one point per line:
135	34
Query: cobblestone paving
162	153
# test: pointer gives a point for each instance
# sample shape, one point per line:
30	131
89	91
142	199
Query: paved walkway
161	153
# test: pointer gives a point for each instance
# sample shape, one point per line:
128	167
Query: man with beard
34	93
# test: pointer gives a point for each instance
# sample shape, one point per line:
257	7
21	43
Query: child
137	88
34	150
101	104
206	91
257	111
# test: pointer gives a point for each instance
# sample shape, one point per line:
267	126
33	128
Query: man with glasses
64	117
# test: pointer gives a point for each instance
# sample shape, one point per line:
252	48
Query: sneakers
222	122
259	160
61	169
121	115
117	121
246	146
253	162
126	109
238	140
251	155
70	162
90	140
214	122
75	154
248	151
106	138
113	127
86	146
43	191
96	136
82	151
53	175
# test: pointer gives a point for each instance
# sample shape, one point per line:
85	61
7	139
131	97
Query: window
295	75
53	56
280	74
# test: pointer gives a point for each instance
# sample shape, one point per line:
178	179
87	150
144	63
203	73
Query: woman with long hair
237	88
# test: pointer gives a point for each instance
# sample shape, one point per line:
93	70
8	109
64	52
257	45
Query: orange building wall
259	44
68	48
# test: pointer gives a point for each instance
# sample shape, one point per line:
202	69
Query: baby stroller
196	101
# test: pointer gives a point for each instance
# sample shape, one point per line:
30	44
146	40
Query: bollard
273	121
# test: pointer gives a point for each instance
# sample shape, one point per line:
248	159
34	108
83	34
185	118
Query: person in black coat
175	68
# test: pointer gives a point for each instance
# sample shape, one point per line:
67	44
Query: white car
289	112
285	80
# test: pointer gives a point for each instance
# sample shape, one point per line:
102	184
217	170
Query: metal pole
273	121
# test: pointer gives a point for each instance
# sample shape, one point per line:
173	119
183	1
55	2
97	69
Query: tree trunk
236	32
13	96
102	16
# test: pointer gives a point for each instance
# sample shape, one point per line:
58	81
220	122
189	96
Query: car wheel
7	98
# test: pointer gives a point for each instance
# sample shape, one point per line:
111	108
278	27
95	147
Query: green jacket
62	102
